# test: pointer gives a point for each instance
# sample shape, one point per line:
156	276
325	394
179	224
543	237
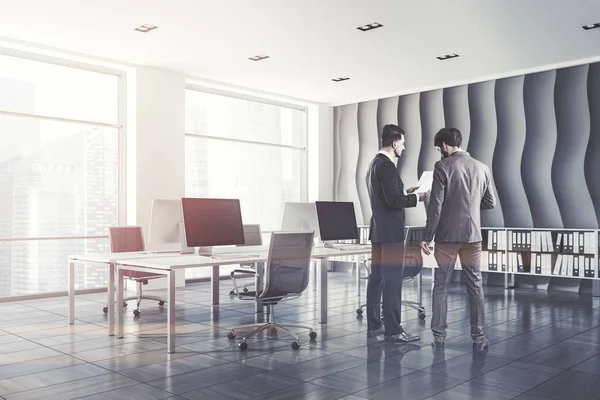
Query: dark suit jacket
388	201
462	187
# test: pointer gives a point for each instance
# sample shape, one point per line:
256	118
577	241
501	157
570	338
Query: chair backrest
124	239
288	263
252	235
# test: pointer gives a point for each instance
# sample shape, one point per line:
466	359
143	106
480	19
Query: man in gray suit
461	188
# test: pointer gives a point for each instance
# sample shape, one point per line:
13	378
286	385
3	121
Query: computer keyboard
229	256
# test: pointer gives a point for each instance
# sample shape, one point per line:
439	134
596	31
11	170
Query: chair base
260	327
139	297
410	304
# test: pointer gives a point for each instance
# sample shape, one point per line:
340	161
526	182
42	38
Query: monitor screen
212	222
300	217
164	224
337	220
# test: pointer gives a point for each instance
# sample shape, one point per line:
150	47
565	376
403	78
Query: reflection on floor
543	346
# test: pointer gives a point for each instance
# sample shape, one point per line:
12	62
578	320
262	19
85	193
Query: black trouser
386	277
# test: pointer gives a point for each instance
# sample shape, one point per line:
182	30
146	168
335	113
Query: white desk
107	260
168	266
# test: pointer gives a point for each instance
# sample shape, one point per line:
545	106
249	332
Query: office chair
125	239
252	237
413	264
285	277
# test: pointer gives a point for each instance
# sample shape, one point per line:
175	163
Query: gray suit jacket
462	187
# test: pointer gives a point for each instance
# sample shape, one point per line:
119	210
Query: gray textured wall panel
510	115
336	152
573	135
409	120
456	111
432	120
368	146
540	143
482	142
592	157
348	147
387	113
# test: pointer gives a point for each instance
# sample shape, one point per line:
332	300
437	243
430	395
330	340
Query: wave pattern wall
573	135
540	144
483	140
368	145
456	111
409	119
538	133
348	148
510	116
592	157
432	119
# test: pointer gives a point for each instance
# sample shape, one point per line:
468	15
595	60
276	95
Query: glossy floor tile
544	345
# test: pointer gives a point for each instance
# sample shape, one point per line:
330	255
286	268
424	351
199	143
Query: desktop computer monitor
212	222
337	220
300	216
165	220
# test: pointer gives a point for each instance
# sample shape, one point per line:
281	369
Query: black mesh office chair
285	277
413	264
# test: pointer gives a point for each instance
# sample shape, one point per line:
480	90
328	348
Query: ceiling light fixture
258	58
340	79
369	27
447	56
146	28
591	26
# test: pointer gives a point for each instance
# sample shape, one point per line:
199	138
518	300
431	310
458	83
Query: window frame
120	126
303	148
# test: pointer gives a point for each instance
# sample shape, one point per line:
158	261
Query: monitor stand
343	246
205	251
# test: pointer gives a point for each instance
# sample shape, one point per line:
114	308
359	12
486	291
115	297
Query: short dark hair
450	136
390	134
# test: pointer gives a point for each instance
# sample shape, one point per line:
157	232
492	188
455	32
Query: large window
252	151
59	131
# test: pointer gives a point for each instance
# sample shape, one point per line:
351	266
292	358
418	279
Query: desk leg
260	268
214	280
323	291
420	288
358	283
71	293
110	301
171	313
120	310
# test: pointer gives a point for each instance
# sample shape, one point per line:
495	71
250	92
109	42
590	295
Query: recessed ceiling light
591	26
369	27
258	58
340	79
447	56
146	28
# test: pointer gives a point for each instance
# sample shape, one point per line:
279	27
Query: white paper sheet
425	182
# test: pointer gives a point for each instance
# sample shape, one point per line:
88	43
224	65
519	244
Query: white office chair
125	239
252	237
285	277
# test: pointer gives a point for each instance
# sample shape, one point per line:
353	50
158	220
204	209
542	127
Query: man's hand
411	190
422	196
425	247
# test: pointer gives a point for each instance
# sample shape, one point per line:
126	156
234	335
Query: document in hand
425	182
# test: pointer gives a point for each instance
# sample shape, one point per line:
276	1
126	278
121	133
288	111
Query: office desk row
168	263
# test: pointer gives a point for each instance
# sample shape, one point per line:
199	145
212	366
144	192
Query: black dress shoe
437	344
482	345
402	337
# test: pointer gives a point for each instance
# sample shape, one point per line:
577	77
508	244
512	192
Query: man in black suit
388	201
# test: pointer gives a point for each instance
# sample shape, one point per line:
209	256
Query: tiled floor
544	346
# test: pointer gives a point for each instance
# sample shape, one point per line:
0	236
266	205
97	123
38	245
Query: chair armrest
240	272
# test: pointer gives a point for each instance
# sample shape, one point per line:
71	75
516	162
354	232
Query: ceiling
312	41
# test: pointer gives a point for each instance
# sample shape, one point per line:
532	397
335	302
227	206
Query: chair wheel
161	303
359	311
231	335
232	293
313	335
422	315
295	345
105	309
243	346
124	304
136	313
245	289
